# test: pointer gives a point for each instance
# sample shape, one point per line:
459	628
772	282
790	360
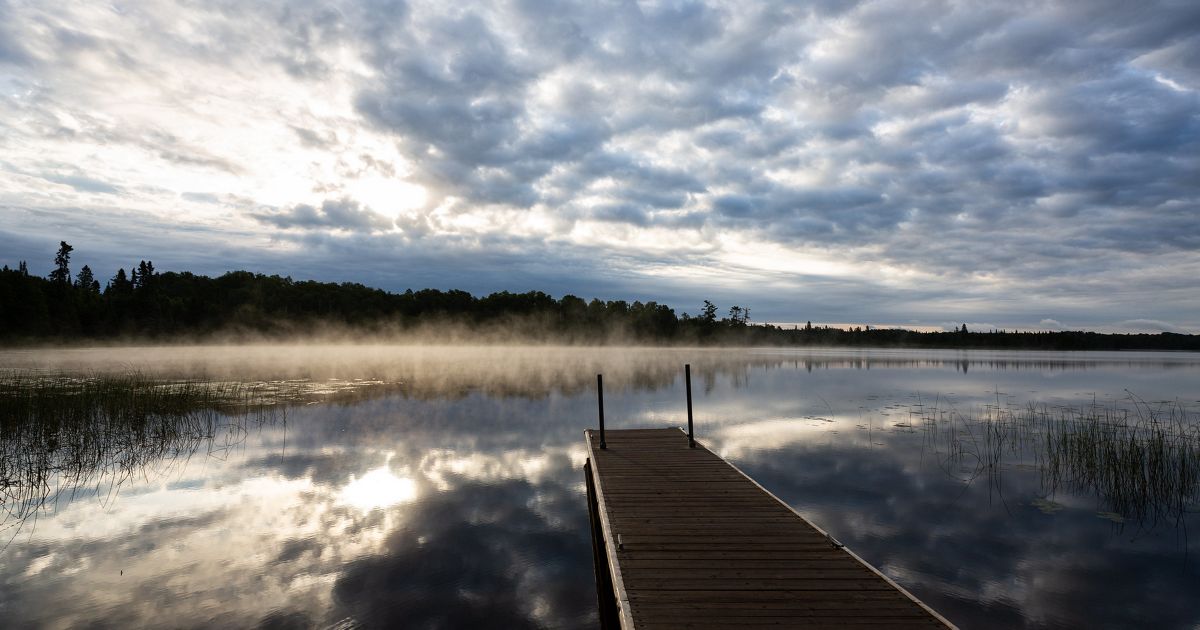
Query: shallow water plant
1141	461
1145	464
60	434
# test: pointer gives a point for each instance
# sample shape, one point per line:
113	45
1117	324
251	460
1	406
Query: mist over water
441	486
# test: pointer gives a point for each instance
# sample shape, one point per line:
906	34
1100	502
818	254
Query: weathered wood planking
688	540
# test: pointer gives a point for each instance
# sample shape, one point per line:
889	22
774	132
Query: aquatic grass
61	435
1145	464
1140	460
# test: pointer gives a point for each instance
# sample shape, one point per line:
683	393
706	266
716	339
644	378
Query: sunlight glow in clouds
876	160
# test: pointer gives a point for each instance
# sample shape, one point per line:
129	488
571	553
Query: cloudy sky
1015	164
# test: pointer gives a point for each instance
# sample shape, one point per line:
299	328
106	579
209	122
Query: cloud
11	51
340	214
84	183
1152	326
950	156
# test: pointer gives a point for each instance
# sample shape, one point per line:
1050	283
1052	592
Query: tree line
147	304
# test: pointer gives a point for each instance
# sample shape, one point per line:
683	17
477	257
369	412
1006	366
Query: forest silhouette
152	306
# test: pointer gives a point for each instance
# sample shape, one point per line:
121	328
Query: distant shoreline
1190	343
149	307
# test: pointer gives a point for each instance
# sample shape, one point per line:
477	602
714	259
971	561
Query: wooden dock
684	539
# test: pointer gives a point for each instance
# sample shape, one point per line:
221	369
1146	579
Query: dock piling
687	378
600	400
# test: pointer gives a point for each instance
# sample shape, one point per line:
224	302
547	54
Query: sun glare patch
378	488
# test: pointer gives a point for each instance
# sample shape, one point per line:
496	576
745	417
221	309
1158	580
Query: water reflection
445	490
378	488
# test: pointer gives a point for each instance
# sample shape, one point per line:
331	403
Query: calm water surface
442	487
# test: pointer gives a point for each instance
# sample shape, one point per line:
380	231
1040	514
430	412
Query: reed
64	435
1141	461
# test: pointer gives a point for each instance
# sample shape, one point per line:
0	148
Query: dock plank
691	541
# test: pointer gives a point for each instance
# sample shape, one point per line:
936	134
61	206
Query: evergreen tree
120	284
143	277
62	262
86	281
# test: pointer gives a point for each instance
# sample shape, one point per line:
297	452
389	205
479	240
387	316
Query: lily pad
1047	506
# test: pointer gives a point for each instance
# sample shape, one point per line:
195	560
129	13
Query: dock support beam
687	379
600	399
606	597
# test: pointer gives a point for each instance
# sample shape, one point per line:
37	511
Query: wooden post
605	596
600	399
687	378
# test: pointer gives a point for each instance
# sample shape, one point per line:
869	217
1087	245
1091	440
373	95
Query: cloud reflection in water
476	516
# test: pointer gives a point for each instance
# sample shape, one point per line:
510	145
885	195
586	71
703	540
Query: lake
442	487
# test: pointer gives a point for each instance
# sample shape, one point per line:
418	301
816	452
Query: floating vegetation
1142	461
1047	506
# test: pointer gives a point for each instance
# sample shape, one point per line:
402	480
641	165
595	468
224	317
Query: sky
1004	164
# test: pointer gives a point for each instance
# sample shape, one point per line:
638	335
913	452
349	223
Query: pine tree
86	281
62	262
120	284
143	276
